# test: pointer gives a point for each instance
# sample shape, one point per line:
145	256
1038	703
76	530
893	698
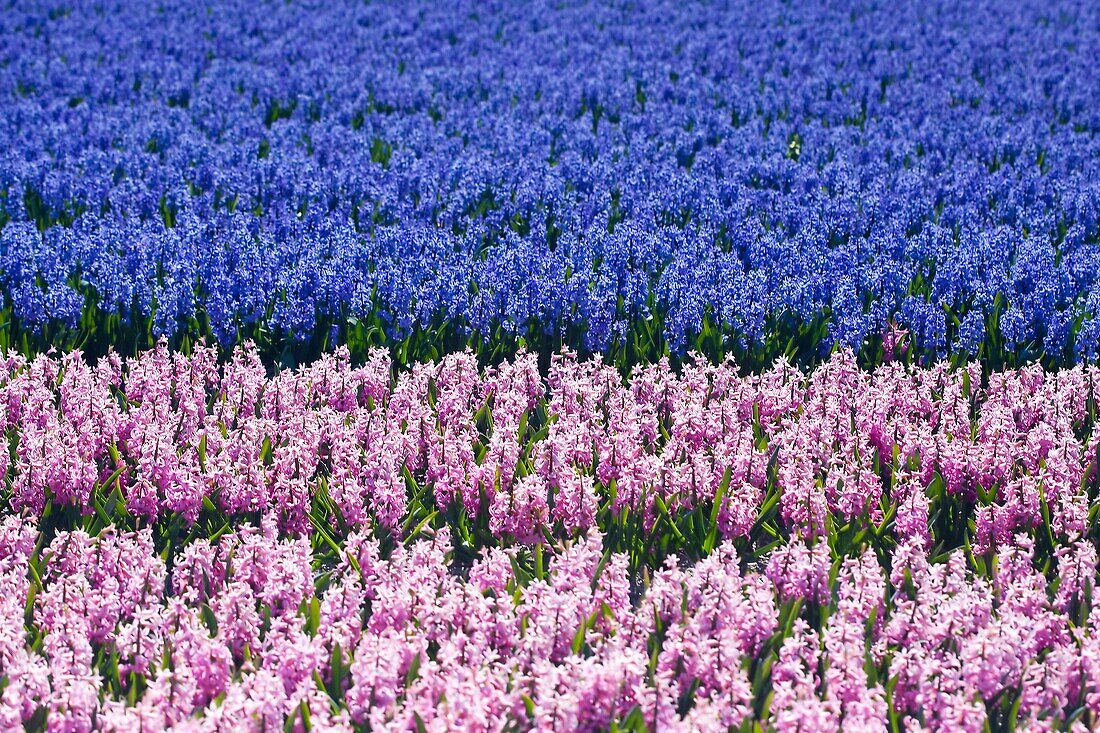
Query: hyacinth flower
632	182
661	461
835	550
250	631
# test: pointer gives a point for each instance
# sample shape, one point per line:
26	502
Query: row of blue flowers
768	176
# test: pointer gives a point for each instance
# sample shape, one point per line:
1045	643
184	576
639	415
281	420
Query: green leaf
578	639
540	571
314	615
719	497
414	670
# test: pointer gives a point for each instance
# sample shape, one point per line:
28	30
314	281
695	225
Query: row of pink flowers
248	632
170	433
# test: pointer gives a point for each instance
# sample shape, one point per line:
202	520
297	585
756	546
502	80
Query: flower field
610	366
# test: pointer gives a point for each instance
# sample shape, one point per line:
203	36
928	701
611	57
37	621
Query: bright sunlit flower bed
601	366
